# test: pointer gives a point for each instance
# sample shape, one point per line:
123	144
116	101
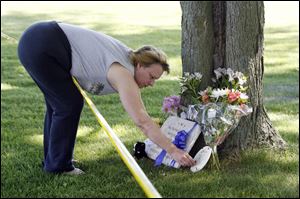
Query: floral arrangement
171	105
189	85
229	88
216	109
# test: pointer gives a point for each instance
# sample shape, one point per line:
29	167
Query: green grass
260	172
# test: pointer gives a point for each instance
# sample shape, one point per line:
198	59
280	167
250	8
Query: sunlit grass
35	139
260	173
5	86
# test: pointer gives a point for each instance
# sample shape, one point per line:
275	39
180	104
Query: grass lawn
260	173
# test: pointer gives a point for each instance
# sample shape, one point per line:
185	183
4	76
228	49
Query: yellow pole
134	168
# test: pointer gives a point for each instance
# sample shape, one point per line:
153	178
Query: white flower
230	74
218	73
242	81
202	93
198	75
186	74
216	93
183	89
229	71
244	96
241	77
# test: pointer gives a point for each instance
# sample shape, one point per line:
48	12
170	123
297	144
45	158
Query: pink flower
233	96
205	98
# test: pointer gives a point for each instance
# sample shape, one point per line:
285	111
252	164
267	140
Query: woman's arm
120	78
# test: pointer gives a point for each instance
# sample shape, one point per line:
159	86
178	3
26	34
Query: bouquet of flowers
217	109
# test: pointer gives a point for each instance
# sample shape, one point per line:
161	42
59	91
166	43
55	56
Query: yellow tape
134	168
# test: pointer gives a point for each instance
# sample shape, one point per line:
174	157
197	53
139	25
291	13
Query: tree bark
244	52
219	20
230	34
197	39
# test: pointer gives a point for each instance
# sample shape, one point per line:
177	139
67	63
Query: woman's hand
120	78
182	157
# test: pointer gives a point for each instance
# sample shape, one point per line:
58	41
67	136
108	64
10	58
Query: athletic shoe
75	171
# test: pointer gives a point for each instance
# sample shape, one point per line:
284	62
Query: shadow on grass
16	22
106	175
282	29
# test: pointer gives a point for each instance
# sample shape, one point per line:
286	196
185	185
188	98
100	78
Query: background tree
230	34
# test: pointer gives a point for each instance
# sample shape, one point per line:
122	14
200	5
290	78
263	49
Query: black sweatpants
45	52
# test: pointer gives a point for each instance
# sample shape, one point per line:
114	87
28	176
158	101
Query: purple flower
171	104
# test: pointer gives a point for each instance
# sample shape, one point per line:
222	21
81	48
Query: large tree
230	34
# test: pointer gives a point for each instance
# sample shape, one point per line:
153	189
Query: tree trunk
230	34
197	39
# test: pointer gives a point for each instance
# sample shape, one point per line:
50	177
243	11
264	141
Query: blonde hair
148	55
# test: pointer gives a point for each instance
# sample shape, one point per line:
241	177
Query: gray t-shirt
92	55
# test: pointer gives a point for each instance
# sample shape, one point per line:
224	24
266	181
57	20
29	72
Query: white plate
201	158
